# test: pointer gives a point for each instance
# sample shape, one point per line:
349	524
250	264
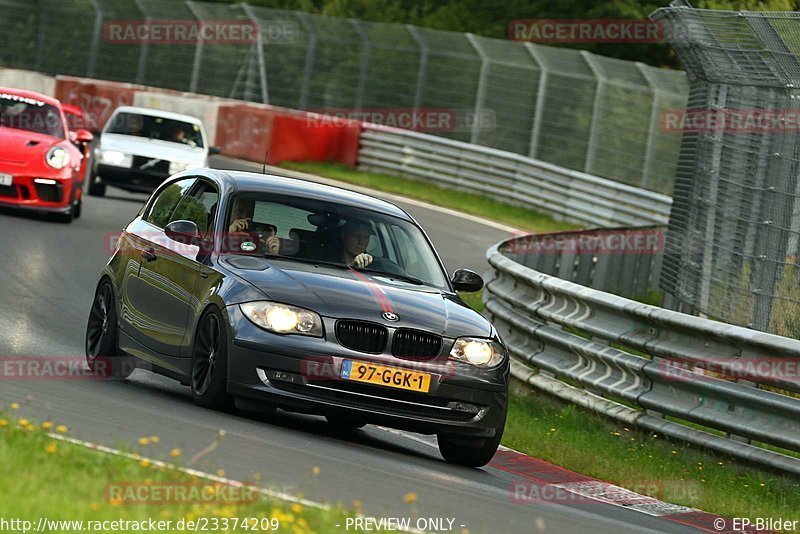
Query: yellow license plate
392	377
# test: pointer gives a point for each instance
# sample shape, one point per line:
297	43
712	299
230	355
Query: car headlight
477	351
116	158
57	157
177	166
283	319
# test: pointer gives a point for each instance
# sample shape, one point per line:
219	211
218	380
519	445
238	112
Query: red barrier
244	130
98	99
247	130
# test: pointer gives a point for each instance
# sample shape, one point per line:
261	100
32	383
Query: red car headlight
57	157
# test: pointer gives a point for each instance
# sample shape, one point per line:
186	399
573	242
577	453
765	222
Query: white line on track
267	492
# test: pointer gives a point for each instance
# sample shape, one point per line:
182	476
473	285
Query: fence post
363	70
262	66
198	51
591	147
423	64
308	65
144	48
96	31
541	94
647	171
475	137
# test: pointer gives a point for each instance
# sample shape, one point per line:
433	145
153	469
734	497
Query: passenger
241	221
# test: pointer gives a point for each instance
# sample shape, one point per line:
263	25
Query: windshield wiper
403	277
304	260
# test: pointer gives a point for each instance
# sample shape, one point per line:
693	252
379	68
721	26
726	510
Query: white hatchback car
139	148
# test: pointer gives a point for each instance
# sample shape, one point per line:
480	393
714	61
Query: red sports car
42	163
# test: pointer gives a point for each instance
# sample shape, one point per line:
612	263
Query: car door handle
149	254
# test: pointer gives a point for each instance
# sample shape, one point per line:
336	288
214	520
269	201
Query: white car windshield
153	127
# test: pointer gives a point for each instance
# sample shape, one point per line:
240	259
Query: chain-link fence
732	243
563	106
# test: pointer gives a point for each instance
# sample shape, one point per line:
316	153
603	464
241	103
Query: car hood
344	294
153	148
22	151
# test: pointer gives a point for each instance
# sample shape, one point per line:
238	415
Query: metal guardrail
636	363
510	178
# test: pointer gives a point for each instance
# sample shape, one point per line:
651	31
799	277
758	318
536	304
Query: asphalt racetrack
49	272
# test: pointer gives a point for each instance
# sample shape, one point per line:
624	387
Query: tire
209	369
103	354
470	452
343	421
96	187
76	211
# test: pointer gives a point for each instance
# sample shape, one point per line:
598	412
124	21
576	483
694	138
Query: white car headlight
477	351
177	166
115	158
57	157
282	318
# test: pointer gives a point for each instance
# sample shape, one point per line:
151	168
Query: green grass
576	439
518	217
45	477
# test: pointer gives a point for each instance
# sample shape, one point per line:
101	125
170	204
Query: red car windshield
29	114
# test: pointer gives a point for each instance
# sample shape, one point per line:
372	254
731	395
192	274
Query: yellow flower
297	508
23	423
47	425
175	453
145	463
3	422
165	513
14	406
116	501
356	504
154	439
410	498
94	507
220	472
315	470
143	441
51	447
674	452
62	429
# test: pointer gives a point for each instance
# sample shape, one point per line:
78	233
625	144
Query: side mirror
214	150
467	281
83	137
185	232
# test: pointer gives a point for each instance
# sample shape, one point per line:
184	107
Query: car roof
31	94
159	113
251	182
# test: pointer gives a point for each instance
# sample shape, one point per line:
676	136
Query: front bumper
300	373
131	179
26	193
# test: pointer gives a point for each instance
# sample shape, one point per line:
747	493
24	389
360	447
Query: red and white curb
557	479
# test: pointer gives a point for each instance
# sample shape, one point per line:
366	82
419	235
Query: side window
197	206
161	211
411	260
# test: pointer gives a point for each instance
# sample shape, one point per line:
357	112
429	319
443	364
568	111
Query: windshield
316	231
29	114
152	127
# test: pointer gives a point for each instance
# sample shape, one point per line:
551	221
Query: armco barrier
510	178
622	350
25	79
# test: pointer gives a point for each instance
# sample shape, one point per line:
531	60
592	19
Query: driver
241	219
355	236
